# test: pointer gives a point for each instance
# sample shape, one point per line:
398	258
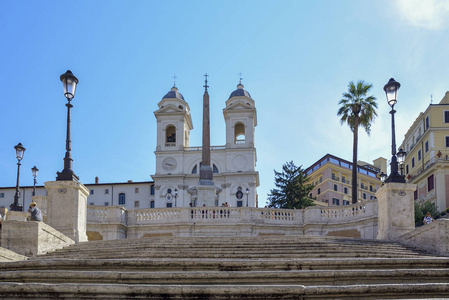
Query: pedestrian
428	218
36	214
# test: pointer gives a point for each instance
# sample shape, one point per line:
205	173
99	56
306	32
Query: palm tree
357	109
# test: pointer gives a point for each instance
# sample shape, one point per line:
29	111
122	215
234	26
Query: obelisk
206	174
205	193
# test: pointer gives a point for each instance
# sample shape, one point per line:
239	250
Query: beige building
427	160
332	178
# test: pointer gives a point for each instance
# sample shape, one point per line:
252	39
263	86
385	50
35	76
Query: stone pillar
67	208
440	189
396	210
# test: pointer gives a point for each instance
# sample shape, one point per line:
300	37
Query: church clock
169	164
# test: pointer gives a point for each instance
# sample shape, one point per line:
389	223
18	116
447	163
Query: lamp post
391	91
20	150
34	171
176	196
247	194
69	81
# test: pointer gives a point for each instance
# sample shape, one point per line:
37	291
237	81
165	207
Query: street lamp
176	195
383	177
20	150
247	194
391	91
401	157
69	81
34	171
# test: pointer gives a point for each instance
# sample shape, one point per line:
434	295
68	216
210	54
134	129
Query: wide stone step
122	291
187	264
303	277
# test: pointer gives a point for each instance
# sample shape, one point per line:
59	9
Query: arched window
152	204
215	169
170	136
195	170
152	189
239	133
121	199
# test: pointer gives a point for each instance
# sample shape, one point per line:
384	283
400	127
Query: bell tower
173	122
241	119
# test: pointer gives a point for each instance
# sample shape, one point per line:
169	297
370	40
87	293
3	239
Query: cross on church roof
240	74
205	85
174	80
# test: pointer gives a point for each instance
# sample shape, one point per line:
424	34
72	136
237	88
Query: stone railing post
396	210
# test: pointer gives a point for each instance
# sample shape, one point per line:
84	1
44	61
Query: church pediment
170	108
239	106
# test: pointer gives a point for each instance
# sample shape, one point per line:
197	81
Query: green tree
357	109
292	188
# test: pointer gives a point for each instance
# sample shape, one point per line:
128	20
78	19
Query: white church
178	164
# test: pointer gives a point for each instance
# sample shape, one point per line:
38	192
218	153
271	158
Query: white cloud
429	14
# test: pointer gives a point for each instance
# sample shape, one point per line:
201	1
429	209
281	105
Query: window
335	187
406	169
371	188
170	136
319	191
426	146
239	133
447	141
214	169
121	199
136	204
413	162
427	122
239	203
169	205
419	155
91	192
372	197
345	202
106	204
152	189
2	195
343	179
195	170
415	195
152	204
345	190
335	201
364	195
446	116
106	191
136	190
91	203
363	185
430	183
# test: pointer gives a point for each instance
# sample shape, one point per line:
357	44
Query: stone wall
433	237
115	222
32	238
8	255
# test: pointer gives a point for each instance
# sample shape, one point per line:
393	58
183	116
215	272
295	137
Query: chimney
96	180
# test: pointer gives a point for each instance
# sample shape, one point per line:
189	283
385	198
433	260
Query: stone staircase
264	267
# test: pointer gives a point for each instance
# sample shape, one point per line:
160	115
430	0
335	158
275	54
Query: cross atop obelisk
206	174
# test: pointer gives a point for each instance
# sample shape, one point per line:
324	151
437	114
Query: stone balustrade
119	215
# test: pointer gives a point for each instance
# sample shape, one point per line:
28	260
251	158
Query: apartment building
332	178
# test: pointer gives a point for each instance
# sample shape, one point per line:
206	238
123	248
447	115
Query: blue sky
297	58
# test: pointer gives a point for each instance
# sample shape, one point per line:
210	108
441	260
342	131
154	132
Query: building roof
174	93
240	92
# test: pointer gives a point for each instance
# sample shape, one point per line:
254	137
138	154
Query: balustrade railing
117	214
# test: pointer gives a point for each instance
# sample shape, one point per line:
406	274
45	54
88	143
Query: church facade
178	163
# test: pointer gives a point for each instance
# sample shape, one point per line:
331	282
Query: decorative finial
174	80
240	74
205	85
